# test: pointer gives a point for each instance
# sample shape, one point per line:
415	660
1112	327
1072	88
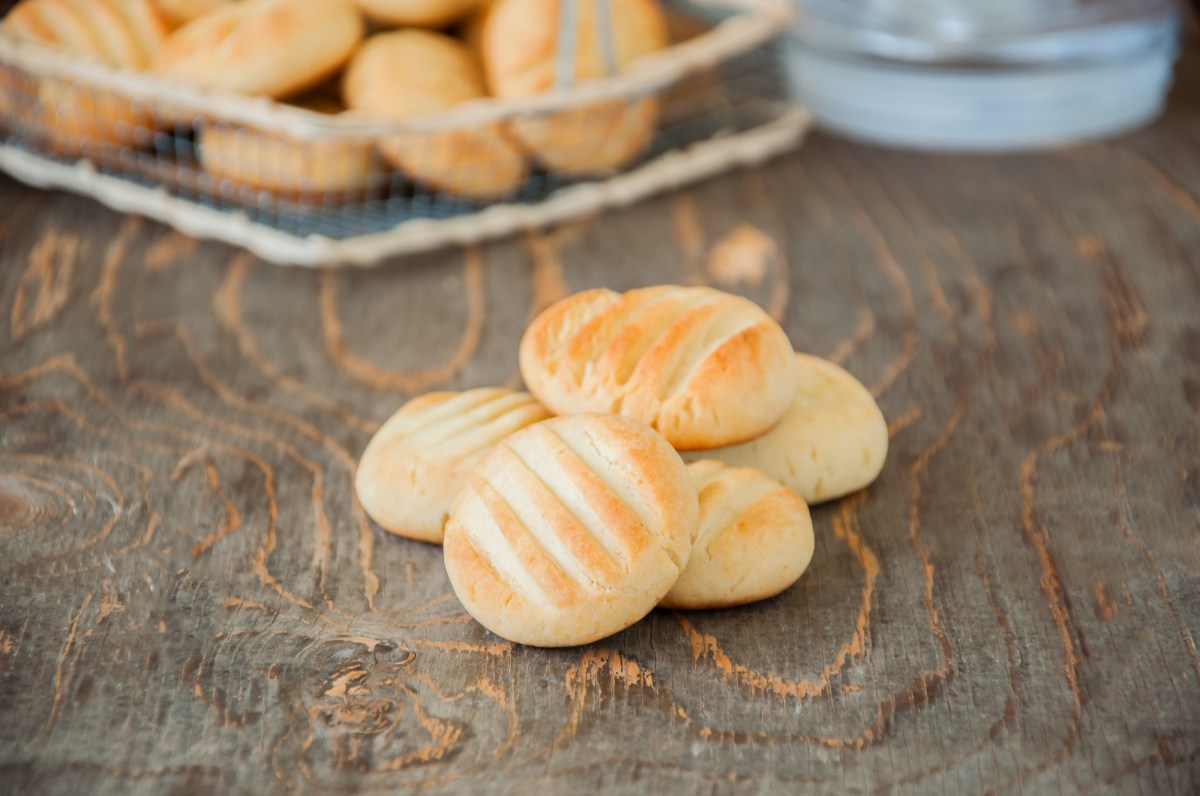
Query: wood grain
192	601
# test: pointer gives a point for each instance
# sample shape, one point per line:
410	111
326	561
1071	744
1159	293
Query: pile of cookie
385	59
568	514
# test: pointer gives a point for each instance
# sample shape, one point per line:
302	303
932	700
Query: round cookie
302	168
76	120
590	140
479	162
416	13
755	539
832	441
519	43
571	530
420	459
273	48
704	368
119	33
124	33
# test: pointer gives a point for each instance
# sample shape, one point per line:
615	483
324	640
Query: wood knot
361	716
395	655
13	509
358	700
348	680
29	502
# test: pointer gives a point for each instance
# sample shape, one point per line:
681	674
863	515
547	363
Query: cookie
478	162
832	441
420	459
272	48
594	139
704	368
125	33
118	33
755	539
306	169
519	44
571	530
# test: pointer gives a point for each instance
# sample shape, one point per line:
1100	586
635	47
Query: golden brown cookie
755	539
519	43
571	530
119	33
273	48
317	169
420	459
123	33
478	161
594	139
704	368
832	441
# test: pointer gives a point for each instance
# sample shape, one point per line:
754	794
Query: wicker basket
720	93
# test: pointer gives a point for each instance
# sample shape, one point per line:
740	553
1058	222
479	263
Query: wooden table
191	601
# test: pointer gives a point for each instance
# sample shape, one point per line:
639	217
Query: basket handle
608	46
568	41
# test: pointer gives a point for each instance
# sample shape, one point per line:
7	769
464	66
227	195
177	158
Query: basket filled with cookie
346	131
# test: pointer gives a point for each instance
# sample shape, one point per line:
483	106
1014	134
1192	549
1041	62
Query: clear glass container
983	74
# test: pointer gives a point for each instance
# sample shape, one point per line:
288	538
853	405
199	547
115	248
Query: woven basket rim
752	23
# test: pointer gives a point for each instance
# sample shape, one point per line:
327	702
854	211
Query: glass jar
983	74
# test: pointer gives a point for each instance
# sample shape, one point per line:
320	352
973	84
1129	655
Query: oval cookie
571	530
422	456
704	368
832	441
755	539
478	162
116	32
519	43
76	117
299	168
274	48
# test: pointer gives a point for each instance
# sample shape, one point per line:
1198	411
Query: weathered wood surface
191	601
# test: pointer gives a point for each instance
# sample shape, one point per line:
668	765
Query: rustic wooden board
191	601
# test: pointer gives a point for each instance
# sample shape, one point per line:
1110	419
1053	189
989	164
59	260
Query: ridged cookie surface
421	458
304	168
274	48
74	118
116	32
755	539
832	441
519	43
704	368
571	530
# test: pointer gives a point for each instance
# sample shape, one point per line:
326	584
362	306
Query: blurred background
984	74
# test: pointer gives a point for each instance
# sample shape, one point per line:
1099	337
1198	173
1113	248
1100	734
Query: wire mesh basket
297	185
